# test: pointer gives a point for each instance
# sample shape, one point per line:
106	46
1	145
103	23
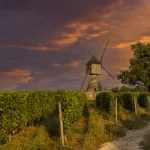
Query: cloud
11	79
53	32
143	39
16	76
33	47
91	36
44	37
41	72
6	86
74	31
56	65
72	64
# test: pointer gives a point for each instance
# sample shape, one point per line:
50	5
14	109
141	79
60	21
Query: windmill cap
93	60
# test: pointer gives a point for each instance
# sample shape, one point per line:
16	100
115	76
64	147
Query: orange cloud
17	76
30	47
64	38
40	72
91	36
73	64
56	65
8	87
143	39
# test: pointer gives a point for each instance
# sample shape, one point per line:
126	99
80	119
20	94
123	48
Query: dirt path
129	142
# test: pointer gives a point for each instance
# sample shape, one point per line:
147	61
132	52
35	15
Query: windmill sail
107	71
104	52
93	68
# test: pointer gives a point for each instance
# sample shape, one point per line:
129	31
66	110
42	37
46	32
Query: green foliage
126	100
138	73
126	89
129	89
143	100
13	113
40	105
115	90
106	101
96	124
17	108
73	103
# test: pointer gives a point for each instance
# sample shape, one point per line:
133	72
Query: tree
129	89
138	73
115	90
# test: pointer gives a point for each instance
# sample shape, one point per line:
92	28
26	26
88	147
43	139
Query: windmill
93	68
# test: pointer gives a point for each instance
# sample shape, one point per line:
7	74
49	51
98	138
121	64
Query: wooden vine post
148	103
135	106
61	123
116	107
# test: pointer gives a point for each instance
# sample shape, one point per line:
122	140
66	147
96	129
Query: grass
101	126
96	131
44	135
31	138
76	135
94	128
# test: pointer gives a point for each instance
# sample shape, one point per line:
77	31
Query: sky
43	42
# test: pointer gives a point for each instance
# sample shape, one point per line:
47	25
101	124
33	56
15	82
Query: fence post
135	106
116	110
148	103
9	138
61	124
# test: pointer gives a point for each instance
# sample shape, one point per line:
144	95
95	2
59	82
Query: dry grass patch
31	138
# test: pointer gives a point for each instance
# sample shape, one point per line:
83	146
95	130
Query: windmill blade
104	52
83	82
89	52
86	49
107	72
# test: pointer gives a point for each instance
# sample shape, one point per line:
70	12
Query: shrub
73	103
126	100
143	100
106	101
40	104
19	107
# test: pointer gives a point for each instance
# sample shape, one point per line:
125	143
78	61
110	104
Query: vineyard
127	100
19	109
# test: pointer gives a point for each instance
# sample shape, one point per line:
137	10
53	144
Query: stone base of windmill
94	87
91	95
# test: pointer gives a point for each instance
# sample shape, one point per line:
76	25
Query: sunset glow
51	37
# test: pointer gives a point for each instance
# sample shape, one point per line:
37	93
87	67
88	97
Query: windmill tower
93	68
